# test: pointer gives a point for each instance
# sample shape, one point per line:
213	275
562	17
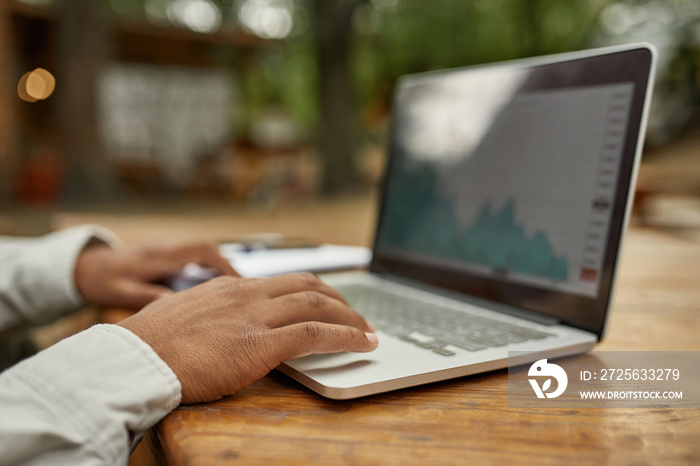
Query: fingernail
371	326
371	337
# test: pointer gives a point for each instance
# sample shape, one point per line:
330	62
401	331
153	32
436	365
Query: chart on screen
529	202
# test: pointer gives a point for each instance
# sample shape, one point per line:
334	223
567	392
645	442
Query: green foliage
418	36
283	76
396	37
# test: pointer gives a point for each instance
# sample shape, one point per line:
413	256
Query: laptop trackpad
334	367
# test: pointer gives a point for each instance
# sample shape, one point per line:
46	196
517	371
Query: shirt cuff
43	280
106	383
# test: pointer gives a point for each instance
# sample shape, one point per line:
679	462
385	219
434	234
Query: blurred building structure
132	100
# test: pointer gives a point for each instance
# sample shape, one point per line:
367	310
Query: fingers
305	338
297	298
298	282
208	255
314	306
168	261
135	295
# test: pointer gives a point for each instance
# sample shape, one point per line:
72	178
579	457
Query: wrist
89	264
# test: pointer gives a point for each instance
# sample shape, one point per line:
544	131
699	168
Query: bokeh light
269	19
36	85
198	15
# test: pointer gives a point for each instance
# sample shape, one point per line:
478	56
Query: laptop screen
510	182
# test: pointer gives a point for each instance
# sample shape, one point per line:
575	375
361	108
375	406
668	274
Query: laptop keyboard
432	327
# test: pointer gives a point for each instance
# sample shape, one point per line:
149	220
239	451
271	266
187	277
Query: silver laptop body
504	206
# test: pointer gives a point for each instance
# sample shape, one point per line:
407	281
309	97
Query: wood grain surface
467	420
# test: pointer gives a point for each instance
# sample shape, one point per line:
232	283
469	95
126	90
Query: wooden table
467	420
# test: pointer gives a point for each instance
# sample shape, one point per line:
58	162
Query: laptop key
443	352
530	334
431	344
464	344
513	338
408	339
493	331
494	341
396	331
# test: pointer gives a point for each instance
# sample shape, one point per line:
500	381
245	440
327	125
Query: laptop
504	205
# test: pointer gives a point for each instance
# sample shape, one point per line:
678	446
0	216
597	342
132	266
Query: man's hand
221	336
125	277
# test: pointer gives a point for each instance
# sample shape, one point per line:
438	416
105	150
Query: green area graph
424	221
496	240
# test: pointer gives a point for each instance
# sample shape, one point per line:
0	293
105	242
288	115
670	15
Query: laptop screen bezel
603	66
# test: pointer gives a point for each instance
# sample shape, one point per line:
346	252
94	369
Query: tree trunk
8	110
339	126
82	45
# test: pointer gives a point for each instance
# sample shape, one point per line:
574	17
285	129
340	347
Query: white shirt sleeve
84	400
37	285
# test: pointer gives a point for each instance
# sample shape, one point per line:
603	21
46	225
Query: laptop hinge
521	313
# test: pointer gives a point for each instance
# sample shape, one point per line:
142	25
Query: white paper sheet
269	262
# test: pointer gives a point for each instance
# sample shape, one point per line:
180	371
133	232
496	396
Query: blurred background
253	105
